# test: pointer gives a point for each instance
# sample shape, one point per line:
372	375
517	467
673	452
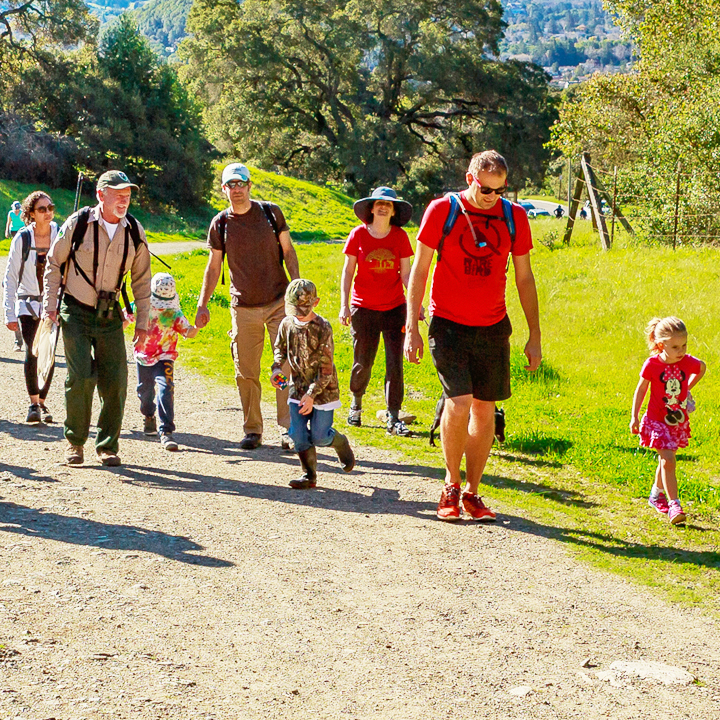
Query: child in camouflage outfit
305	341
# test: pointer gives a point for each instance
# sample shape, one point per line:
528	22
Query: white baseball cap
235	171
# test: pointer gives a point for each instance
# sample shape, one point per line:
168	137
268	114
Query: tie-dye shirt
164	327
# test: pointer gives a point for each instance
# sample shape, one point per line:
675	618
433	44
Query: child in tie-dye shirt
156	358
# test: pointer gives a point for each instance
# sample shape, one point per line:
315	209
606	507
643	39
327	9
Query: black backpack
222	232
131	229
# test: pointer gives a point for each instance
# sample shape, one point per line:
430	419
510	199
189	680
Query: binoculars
106	304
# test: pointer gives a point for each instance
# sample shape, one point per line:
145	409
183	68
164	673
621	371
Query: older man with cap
94	250
256	239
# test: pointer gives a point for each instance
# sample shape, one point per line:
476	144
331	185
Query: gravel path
197	585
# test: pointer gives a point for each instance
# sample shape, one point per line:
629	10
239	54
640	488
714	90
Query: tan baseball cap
115	179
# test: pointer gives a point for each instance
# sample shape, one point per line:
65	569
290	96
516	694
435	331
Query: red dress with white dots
665	425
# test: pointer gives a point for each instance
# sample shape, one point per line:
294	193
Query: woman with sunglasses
377	255
23	288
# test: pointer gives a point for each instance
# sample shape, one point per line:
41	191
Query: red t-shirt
669	387
468	285
378	285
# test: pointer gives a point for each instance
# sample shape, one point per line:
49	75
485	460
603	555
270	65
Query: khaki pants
248	339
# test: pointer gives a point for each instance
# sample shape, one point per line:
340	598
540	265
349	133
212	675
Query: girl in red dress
670	373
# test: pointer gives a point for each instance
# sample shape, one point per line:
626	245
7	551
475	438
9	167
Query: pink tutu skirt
659	436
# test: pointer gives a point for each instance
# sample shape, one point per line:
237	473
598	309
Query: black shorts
472	360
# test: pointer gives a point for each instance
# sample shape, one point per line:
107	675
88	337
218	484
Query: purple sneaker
676	514
660	503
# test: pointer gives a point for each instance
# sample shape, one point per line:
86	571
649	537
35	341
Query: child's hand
276	379
128	319
635	426
306	405
192	332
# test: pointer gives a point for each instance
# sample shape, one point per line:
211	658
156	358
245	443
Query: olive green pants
95	356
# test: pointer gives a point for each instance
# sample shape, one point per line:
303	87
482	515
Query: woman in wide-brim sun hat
377	257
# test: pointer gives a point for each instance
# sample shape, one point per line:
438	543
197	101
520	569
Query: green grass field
569	465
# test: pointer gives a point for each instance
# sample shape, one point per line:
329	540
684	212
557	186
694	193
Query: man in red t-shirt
469	334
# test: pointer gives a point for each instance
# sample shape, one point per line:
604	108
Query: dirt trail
198	585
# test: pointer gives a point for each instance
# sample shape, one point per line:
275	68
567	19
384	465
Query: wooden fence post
614	205
595	201
572	209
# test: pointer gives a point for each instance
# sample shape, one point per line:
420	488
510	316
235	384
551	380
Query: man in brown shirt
255	253
90	314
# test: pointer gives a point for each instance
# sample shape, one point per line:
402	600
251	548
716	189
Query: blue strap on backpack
455	209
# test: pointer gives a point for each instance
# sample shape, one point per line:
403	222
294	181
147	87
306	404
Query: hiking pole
48	334
78	191
159	259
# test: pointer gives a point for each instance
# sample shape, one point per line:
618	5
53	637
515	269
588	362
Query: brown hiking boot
109	458
74	454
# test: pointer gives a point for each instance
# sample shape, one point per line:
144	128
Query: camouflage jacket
309	351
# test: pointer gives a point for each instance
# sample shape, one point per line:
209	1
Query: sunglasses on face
44	208
488	190
237	183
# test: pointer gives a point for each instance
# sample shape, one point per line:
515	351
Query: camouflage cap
300	297
115	179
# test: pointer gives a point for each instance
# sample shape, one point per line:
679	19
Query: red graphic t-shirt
468	285
378	285
669	388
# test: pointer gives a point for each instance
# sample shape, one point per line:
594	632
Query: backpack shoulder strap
26	237
222	232
507	208
267	208
83	219
134	231
452	216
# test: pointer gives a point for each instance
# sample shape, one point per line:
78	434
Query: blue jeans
313	429
162	374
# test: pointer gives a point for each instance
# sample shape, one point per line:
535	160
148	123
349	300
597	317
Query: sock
675	502
654	492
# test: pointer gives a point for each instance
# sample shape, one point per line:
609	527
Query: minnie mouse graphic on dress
673	378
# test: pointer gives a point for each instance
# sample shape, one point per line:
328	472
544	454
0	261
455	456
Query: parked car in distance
538	212
526	205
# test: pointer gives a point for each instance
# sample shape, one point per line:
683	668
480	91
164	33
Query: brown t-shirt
253	255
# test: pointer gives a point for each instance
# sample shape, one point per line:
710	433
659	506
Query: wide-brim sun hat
163	295
403	209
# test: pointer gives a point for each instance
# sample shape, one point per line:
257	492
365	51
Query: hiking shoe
355	417
18	347
449	505
476	508
286	442
675	513
398	427
109	458
33	415
74	454
46	414
150	425
166	440
660	503
251	441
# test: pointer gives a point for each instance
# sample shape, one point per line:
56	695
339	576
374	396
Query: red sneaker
449	505
476	508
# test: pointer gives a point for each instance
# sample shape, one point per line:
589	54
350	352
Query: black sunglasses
44	208
237	183
488	190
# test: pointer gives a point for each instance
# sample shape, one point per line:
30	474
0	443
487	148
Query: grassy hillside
313	212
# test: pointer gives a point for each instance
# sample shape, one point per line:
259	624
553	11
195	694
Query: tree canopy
120	106
366	92
660	120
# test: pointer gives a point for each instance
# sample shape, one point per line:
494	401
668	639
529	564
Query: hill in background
571	39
